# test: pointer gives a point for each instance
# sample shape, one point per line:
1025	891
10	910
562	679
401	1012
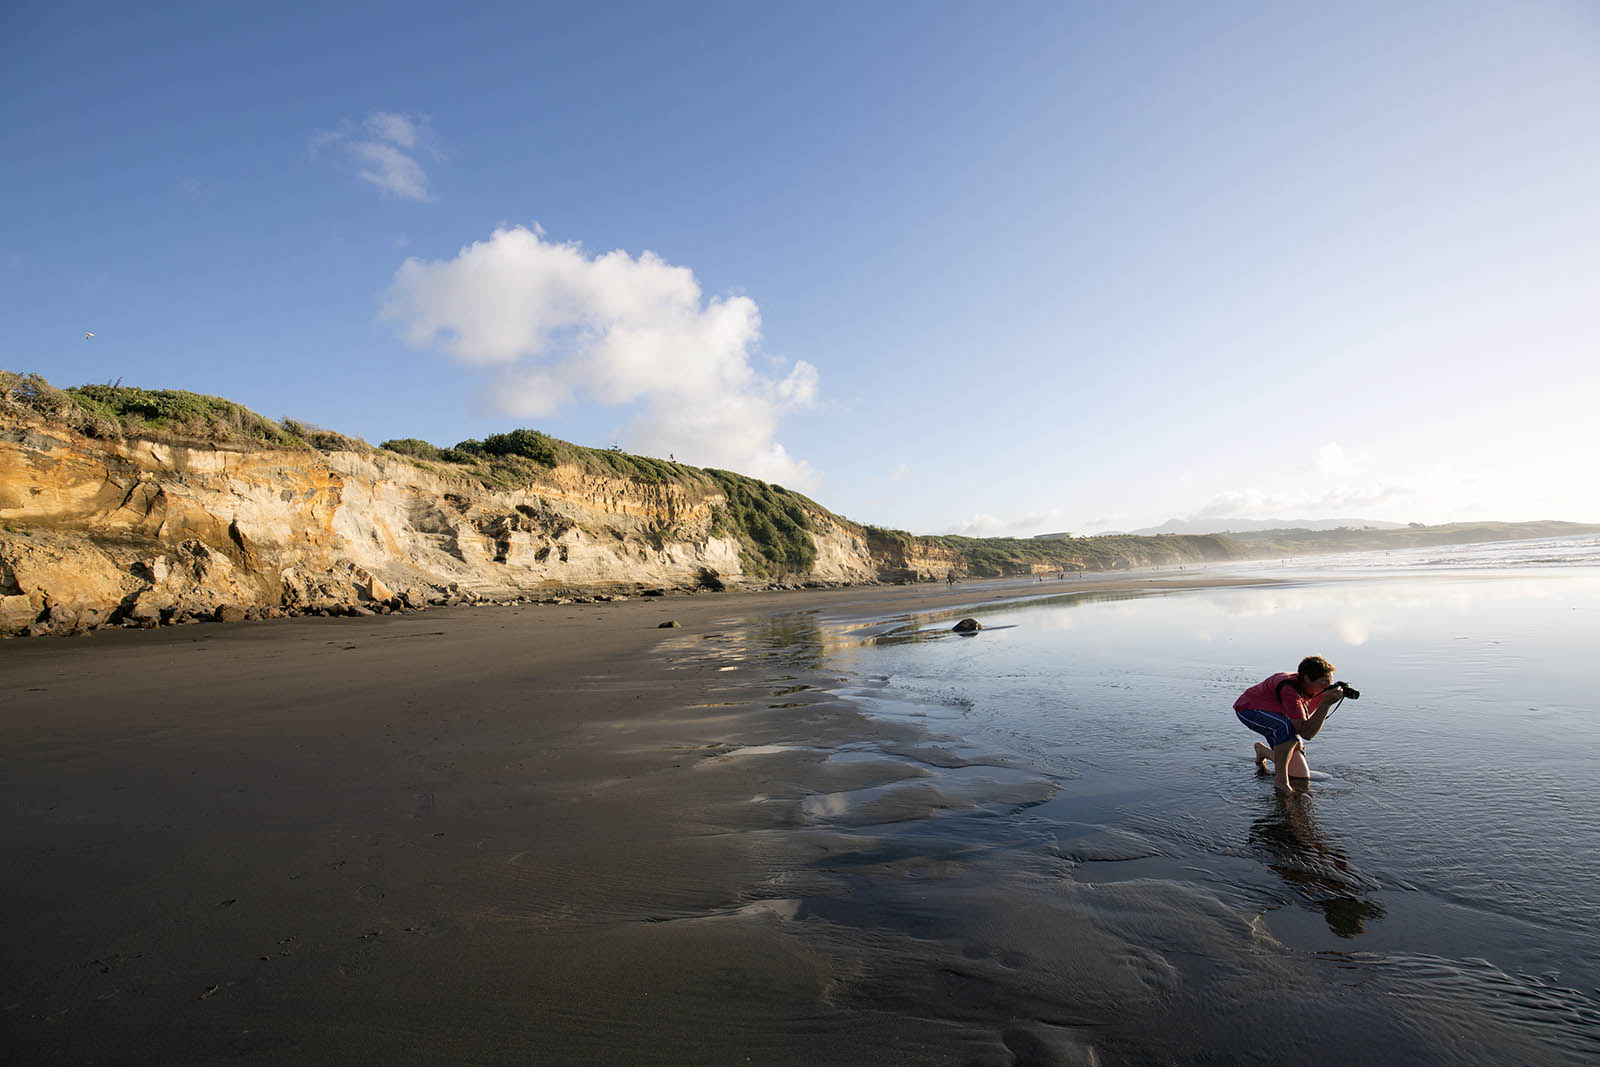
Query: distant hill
1352	535
1261	544
1201	526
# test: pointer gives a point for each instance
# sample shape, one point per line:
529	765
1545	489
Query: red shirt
1278	694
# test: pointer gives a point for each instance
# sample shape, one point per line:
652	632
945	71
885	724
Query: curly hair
1315	667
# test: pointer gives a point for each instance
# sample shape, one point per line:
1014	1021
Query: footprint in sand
425	805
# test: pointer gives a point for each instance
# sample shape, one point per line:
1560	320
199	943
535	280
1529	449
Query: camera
1348	690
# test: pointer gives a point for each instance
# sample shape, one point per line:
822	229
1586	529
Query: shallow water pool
1447	863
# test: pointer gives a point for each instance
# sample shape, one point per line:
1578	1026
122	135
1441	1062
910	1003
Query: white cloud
384	152
1333	461
389	169
899	472
1035	522
1329	459
1339	502
563	327
400	130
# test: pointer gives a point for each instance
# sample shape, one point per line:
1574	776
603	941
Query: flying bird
87	334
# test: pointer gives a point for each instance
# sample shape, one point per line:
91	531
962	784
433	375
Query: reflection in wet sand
1061	832
1287	837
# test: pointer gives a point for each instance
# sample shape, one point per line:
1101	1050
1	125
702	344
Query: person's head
1316	674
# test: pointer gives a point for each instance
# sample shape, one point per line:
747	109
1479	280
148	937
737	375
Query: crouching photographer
1288	709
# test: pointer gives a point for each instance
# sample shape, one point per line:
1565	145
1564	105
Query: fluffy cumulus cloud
562	327
384	150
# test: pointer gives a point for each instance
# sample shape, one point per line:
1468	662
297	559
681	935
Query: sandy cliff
134	507
911	560
137	532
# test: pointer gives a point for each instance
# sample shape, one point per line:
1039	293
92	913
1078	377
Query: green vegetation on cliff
992	557
516	457
771	523
118	411
996	557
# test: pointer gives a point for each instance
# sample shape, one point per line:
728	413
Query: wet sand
530	834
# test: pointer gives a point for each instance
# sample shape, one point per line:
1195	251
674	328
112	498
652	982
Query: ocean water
1435	892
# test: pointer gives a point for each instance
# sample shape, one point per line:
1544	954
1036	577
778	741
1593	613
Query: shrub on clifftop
179	412
31	393
411	446
530	444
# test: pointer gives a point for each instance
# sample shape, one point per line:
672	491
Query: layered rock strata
131	531
138	532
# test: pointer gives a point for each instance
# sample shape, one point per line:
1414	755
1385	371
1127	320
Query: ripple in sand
934	792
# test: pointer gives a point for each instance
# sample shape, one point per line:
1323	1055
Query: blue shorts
1276	728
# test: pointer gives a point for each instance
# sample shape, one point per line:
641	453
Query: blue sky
987	268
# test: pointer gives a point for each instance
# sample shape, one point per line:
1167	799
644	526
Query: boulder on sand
967	626
16	612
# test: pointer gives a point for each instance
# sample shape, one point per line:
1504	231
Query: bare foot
1283	787
1263	754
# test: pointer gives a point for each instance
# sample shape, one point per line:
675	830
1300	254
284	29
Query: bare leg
1298	767
1280	765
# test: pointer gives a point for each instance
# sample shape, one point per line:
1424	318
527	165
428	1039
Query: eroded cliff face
142	532
899	561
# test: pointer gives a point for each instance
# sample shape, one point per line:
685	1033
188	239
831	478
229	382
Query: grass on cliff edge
117	411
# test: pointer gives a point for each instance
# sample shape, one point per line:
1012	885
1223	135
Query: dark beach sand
511	835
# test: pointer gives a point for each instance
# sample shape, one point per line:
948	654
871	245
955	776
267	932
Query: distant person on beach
1286	709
